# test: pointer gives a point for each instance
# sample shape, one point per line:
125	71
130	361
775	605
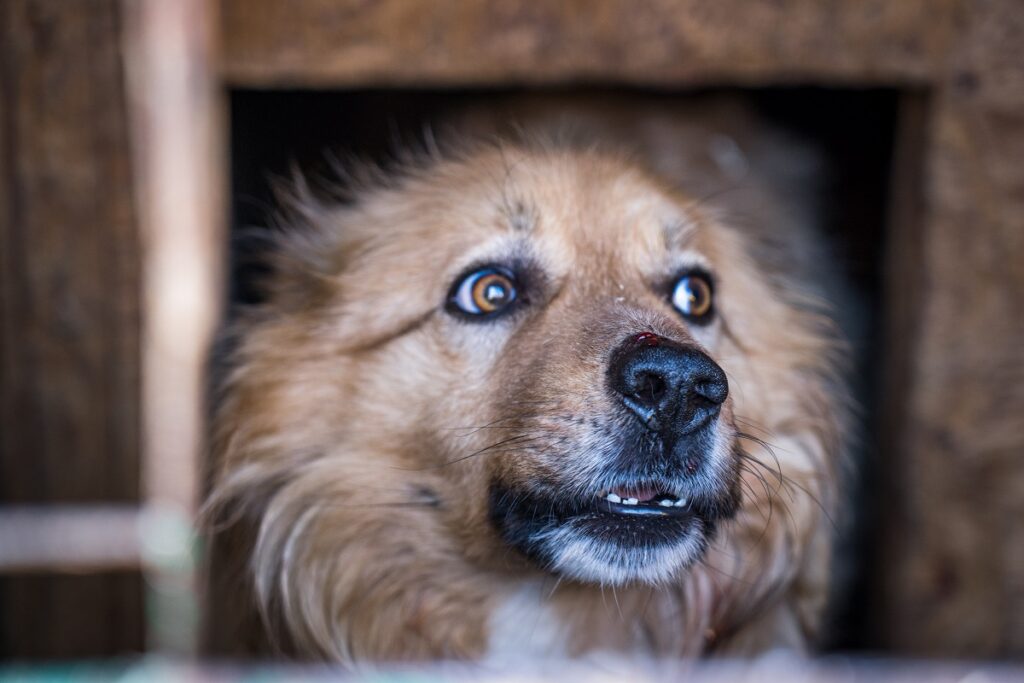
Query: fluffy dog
536	397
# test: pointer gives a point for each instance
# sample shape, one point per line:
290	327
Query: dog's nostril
651	387
715	391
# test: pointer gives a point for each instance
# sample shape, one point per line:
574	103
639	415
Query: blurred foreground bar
776	666
69	538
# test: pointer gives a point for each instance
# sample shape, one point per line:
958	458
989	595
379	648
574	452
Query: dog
537	396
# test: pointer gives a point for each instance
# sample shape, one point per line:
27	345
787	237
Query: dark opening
852	129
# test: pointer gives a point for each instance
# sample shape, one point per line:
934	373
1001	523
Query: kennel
115	165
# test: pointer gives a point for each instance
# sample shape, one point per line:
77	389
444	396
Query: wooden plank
953	561
345	43
69	312
69	308
71	617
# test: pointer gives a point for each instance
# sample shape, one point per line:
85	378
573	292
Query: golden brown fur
359	424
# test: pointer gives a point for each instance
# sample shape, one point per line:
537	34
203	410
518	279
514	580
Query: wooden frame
165	125
955	285
953	551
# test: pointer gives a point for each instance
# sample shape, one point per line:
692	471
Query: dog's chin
607	538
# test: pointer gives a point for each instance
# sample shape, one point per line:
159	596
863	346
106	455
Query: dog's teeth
666	503
680	503
611	497
630	501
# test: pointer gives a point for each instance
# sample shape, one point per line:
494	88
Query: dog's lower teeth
663	500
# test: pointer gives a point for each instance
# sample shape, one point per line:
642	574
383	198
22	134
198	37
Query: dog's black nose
672	388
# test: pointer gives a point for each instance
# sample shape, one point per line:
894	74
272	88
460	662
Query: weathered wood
953	570
661	42
180	174
69	313
176	120
80	617
69	306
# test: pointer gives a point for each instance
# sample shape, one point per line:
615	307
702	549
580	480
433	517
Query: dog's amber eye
484	292
692	297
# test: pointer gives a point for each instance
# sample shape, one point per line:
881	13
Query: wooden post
179	161
69	313
952	567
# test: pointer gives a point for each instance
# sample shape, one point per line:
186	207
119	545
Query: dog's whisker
782	478
786	509
618	607
518	417
374	504
770	498
554	588
518	440
754	425
770	491
721	572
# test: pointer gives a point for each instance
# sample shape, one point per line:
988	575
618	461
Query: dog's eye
691	296
484	292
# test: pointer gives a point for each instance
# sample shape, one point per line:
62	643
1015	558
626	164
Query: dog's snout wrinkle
671	388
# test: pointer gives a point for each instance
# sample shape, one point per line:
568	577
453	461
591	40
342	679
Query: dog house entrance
853	132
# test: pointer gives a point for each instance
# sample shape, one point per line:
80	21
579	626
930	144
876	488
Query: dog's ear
307	250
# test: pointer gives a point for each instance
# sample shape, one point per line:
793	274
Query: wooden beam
675	43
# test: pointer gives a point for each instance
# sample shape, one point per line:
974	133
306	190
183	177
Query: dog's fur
360	424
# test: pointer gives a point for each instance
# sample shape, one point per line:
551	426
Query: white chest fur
526	627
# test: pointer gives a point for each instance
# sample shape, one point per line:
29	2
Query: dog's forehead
565	211
586	205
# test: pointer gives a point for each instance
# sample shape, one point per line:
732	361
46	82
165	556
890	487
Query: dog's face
541	330
580	313
514	357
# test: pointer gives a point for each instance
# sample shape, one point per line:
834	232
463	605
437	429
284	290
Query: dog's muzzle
656	489
675	393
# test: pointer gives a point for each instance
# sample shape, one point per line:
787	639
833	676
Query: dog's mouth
643	501
620	534
628	514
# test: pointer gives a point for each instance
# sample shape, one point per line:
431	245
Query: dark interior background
272	131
